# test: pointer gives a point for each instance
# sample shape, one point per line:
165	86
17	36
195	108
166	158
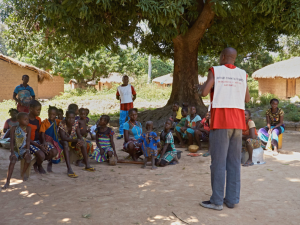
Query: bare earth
127	194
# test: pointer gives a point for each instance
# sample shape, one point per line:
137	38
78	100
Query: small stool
280	141
22	162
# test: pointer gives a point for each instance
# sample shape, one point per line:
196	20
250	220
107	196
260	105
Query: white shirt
125	94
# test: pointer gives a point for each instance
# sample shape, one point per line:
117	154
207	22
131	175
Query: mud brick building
281	79
44	84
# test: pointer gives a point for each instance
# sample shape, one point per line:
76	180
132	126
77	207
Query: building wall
51	88
11	76
298	86
276	86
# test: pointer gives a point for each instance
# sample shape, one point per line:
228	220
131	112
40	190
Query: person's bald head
228	56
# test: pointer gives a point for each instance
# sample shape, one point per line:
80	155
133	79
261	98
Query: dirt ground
127	194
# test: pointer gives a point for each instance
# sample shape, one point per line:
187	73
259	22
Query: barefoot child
83	127
250	138
49	133
202	134
41	151
168	152
149	142
70	137
19	146
105	151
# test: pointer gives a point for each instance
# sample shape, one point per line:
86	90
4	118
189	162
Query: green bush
266	98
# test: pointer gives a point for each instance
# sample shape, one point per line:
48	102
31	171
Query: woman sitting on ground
132	132
250	138
168	152
275	125
192	123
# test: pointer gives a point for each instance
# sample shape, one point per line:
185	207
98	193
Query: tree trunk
149	69
185	75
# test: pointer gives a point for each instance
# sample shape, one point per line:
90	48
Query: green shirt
182	122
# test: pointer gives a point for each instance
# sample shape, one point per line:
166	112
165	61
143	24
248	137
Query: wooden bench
22	162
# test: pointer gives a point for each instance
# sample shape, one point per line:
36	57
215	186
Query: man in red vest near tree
227	85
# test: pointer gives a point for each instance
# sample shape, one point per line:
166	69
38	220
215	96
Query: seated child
87	113
192	123
149	142
73	107
184	113
176	112
60	114
202	134
12	121
41	151
105	151
70	137
49	134
83	127
19	146
250	138
168	152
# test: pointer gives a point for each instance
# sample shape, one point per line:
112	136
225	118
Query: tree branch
204	21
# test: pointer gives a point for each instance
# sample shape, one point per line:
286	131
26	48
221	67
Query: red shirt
226	118
127	106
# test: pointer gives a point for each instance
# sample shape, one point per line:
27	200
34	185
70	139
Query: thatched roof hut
42	74
167	80
281	79
112	78
43	84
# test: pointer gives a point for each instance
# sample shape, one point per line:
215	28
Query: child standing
168	152
49	133
126	94
19	146
41	151
25	94
12	121
105	150
149	142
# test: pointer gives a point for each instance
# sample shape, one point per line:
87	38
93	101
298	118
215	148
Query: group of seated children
190	127
52	139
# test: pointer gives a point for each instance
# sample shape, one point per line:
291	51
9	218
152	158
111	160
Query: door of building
290	88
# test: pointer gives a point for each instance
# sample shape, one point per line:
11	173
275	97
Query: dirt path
127	194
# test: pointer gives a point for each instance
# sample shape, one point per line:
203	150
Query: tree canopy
180	29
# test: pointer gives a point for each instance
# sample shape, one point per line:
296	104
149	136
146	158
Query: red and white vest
229	88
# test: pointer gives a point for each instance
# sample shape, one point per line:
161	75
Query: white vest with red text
230	88
125	94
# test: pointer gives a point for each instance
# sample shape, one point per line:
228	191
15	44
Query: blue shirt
134	130
21	88
152	142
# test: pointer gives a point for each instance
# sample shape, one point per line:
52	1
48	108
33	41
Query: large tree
180	29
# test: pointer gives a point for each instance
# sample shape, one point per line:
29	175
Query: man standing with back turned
227	85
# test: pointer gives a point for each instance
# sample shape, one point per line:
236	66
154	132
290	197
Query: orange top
249	125
46	124
35	128
226	118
